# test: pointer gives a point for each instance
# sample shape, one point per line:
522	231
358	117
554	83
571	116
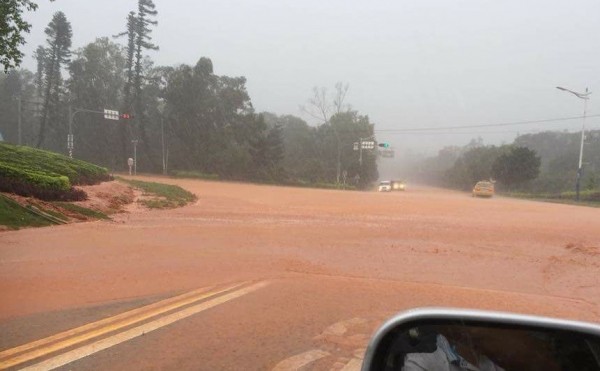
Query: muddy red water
336	263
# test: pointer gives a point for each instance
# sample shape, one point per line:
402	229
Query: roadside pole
20	102
20	119
364	143
70	135
162	140
108	115
585	97
360	152
135	142
580	167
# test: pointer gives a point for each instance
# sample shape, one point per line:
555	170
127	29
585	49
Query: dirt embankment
103	200
108	197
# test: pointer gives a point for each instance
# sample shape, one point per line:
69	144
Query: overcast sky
409	63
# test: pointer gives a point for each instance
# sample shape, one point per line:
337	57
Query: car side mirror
453	339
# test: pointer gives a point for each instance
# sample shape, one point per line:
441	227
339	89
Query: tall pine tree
57	54
138	41
125	132
130	33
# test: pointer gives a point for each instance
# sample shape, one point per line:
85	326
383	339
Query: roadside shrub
45	175
22	188
47	181
35	160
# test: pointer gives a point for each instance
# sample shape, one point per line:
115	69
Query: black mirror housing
429	338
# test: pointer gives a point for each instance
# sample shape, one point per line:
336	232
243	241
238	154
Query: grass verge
53	213
168	196
586	197
82	210
14	216
193	175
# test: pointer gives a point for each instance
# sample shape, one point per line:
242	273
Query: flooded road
265	277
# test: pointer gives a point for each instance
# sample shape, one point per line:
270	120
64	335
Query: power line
484	125
483	132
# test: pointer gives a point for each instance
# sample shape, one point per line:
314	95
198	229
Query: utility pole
162	140
70	135
135	143
20	102
364	143
108	114
19	130
585	97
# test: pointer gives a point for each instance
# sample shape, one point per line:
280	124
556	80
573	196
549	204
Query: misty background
408	64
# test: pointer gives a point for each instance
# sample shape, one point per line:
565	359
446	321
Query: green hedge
54	181
53	164
46	175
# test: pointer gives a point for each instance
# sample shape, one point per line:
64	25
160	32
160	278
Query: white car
385	186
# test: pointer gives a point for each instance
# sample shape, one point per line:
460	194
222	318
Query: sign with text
111	115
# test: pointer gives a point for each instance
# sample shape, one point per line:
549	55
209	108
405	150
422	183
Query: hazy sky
409	63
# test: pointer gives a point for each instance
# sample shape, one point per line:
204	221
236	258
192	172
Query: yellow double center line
39	348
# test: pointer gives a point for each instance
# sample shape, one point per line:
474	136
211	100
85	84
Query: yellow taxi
483	188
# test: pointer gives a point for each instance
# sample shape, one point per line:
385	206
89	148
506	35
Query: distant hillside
559	152
461	167
45	175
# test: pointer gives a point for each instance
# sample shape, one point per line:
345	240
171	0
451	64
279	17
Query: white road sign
111	115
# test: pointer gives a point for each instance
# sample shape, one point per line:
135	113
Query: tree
143	41
211	122
12	27
267	151
56	55
96	80
347	128
275	153
300	159
517	166
321	107
473	165
40	56
125	135
130	52
17	84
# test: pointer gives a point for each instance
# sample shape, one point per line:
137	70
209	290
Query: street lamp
161	110
585	96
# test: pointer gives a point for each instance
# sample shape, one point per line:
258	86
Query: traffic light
384	145
126	116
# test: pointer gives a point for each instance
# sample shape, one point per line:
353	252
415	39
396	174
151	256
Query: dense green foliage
96	139
47	175
310	154
517	166
473	165
12	28
559	152
544	163
51	60
186	118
